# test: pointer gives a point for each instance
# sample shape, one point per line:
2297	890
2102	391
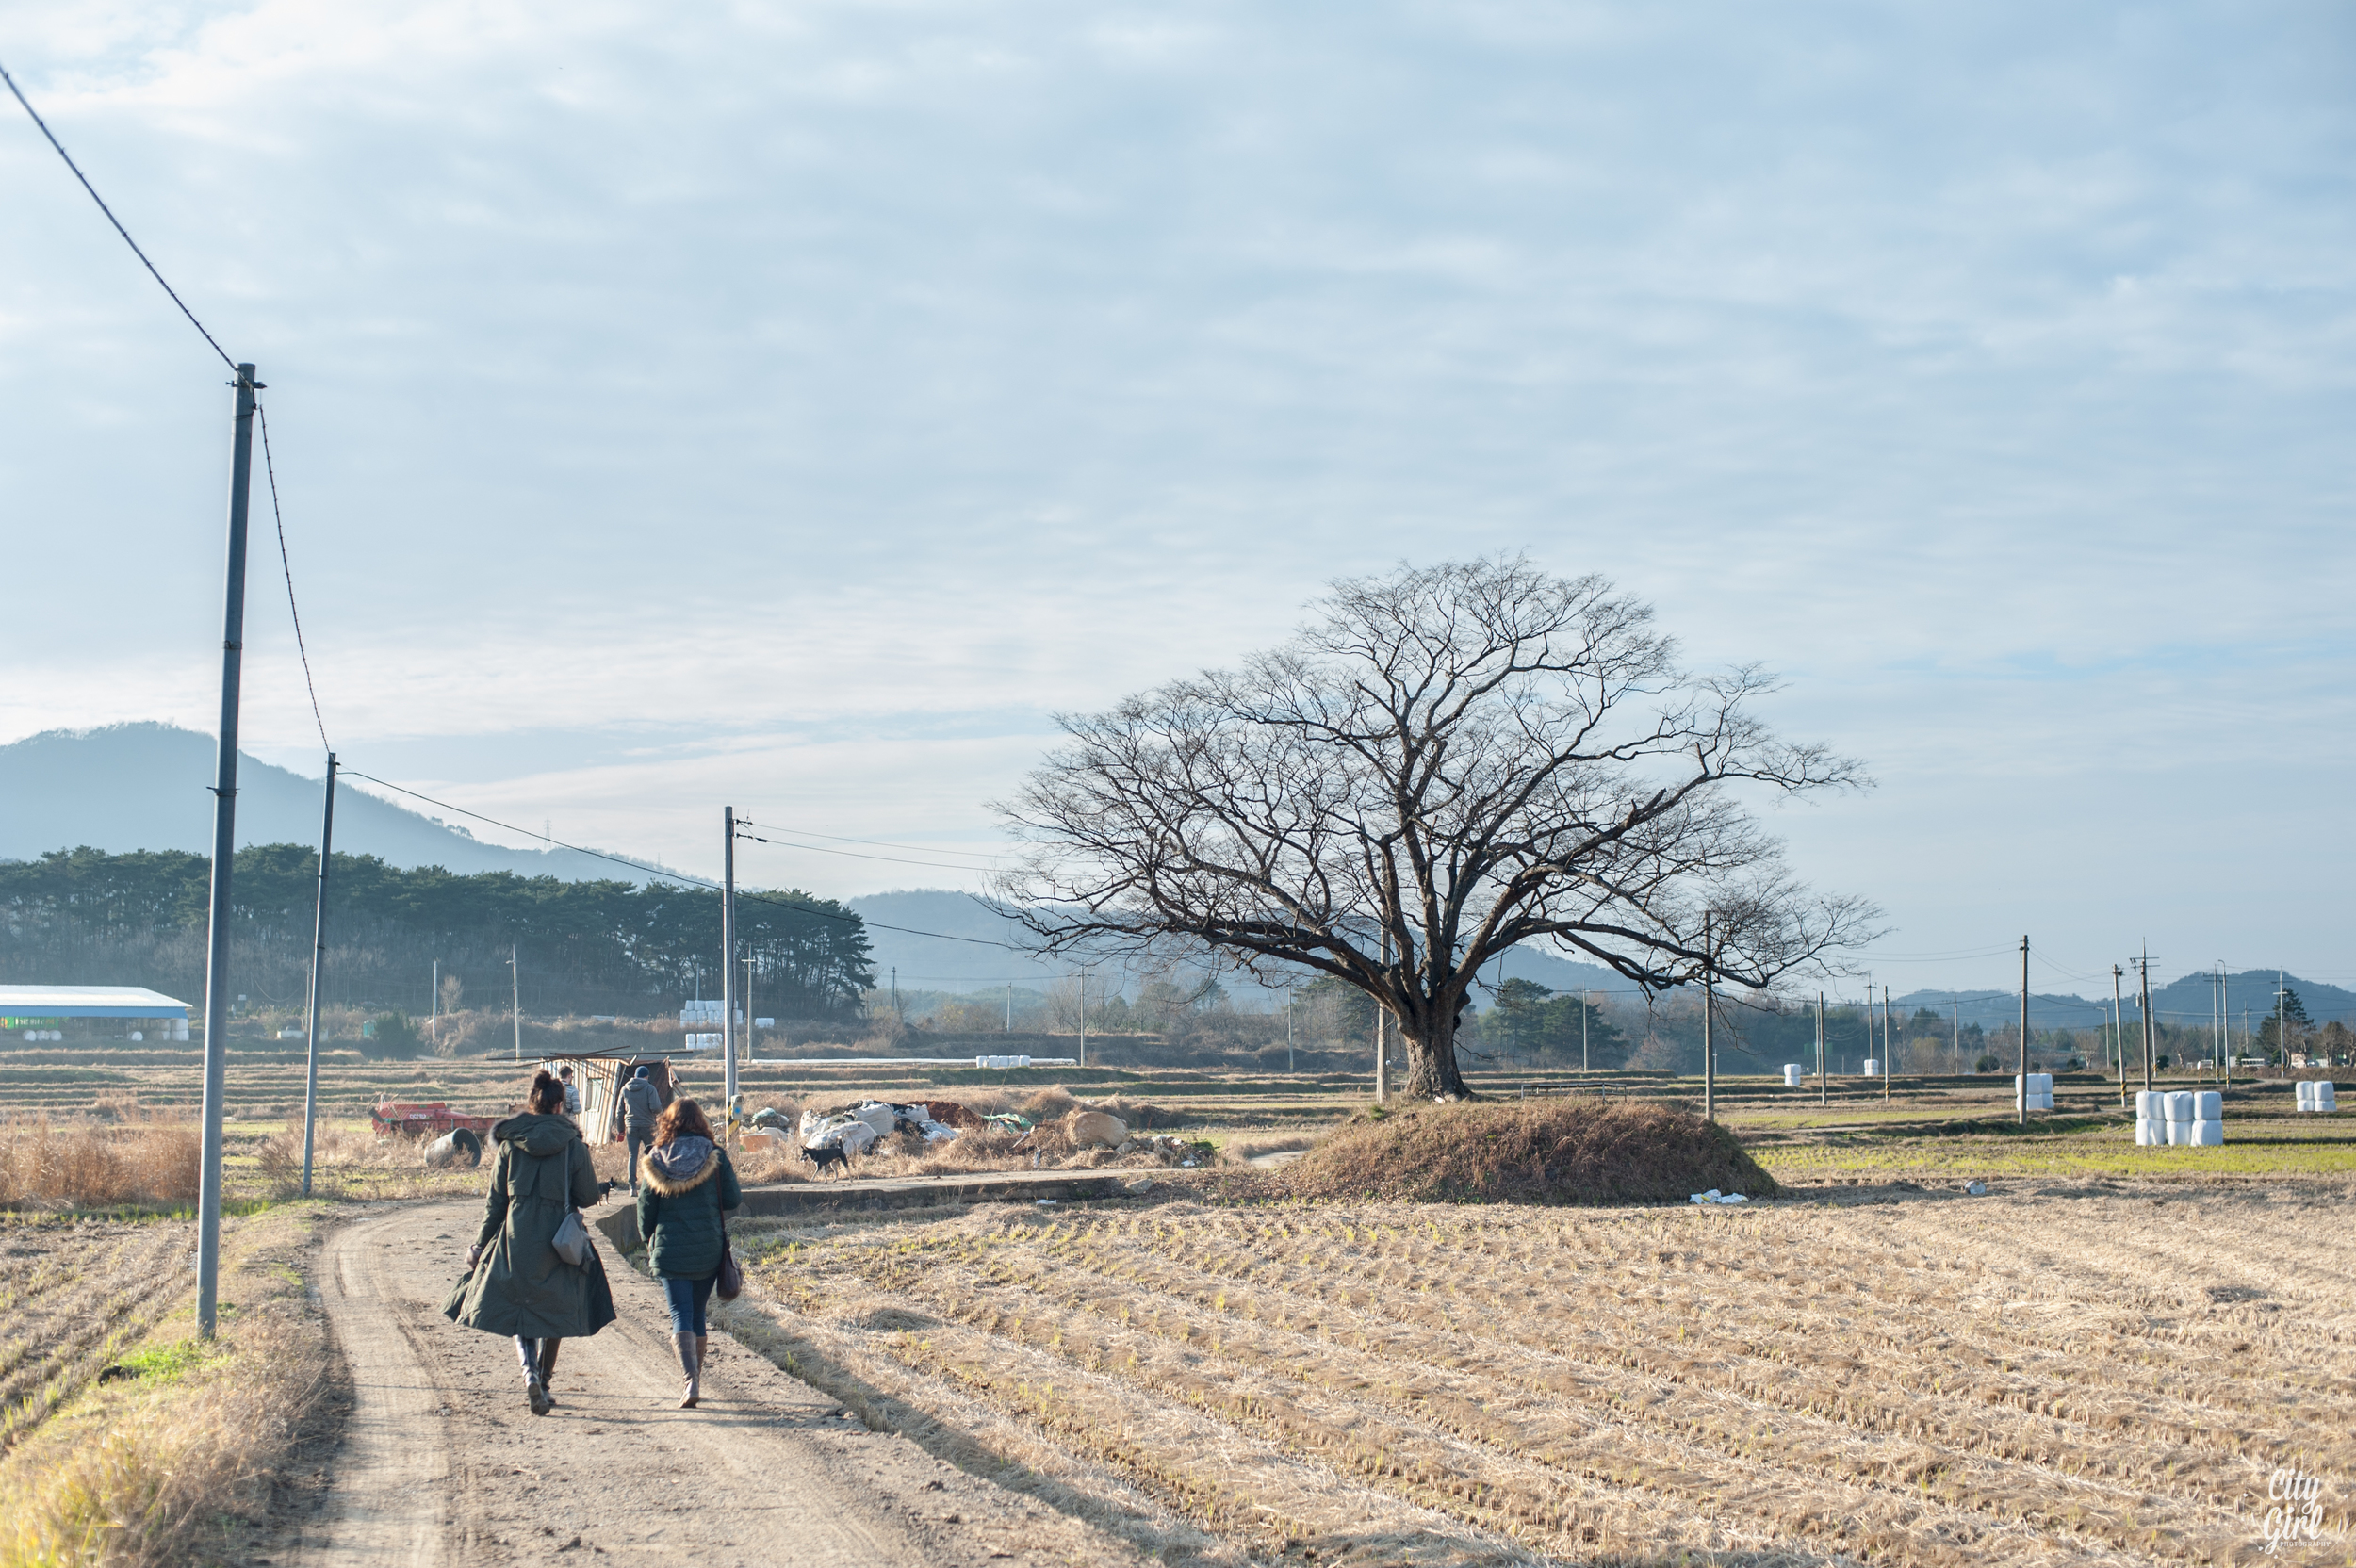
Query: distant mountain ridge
148	785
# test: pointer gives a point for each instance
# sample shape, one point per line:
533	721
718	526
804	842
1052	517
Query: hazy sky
795	406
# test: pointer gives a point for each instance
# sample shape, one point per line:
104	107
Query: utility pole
516	999
1954	1028
2021	1094
2143	1001
1710	1052
433	1001
1821	1096
1584	1007
2281	1030
2119	1032
1083	1023
748	1006
1010	1006
1289	1030
1887	1063
224	863
728	958
896	1013
318	960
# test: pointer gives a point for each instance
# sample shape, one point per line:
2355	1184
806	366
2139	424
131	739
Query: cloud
761	374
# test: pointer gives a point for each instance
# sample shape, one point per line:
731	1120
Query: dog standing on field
825	1157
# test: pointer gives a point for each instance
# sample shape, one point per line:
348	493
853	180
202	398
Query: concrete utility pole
1289	1030
2143	1001
516	999
224	862
728	958
1887	1064
434	1006
2119	1032
1584	1007
1010	1006
318	961
1710	1052
2281	1030
2021	1093
1083	1023
1820	1095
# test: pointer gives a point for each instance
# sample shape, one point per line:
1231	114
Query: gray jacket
641	1104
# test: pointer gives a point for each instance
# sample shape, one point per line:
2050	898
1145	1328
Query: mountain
943	962
148	785
2184	1002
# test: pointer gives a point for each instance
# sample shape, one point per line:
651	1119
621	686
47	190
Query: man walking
641	1104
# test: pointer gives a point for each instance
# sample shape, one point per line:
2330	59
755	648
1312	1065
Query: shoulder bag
571	1240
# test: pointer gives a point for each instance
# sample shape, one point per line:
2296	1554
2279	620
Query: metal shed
37	1006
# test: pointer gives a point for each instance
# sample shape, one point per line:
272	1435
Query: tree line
85	917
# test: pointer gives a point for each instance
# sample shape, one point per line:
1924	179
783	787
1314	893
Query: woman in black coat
517	1283
685	1188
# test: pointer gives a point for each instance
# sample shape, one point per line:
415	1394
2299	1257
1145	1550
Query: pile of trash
1714	1196
857	1129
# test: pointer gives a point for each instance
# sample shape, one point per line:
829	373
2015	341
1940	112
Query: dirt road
441	1461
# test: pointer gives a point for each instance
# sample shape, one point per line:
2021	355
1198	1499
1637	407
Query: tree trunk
1431	1064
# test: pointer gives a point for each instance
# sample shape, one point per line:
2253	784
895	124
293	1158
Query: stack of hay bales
2184	1119
2033	1091
1792	1075
2317	1094
1873	1067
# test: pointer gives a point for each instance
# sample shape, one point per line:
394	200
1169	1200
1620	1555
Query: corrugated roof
88	1002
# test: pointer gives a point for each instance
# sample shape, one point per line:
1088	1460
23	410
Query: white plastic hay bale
2148	1106
1873	1067
2208	1135
2144	1135
1000	1063
2327	1096
2304	1093
2208	1105
1792	1075
2179	1106
2179	1134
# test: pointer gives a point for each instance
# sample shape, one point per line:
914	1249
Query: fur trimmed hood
680	1166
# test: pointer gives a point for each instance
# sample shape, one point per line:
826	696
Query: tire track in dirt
441	1462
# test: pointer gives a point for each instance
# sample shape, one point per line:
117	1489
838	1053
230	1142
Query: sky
797	405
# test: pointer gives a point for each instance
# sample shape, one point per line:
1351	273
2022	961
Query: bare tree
1443	763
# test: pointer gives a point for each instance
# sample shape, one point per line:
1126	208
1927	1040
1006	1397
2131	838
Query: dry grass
173	1460
2019	1379
97	1164
1534	1151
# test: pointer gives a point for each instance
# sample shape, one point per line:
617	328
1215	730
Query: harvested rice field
2098	1372
72	1295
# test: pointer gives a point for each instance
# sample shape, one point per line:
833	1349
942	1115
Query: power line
853	854
875	844
287	566
112	218
847	917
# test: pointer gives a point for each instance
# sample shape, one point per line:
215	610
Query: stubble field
2096	1373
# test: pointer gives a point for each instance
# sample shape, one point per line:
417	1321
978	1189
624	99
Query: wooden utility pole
318	961
224	862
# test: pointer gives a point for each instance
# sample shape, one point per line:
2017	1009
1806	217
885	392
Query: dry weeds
97	1164
167	1463
2016	1379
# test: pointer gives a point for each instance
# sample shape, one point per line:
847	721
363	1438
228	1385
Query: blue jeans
687	1299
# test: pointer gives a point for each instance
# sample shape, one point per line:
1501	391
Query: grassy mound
1527	1152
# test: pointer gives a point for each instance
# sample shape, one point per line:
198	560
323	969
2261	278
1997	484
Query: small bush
1987	1063
1527	1152
389	1037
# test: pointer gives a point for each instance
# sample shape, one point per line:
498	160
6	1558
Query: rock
1139	1185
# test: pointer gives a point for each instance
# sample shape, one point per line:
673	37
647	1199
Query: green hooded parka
519	1285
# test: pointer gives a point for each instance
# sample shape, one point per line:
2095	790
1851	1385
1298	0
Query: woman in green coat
517	1284
685	1188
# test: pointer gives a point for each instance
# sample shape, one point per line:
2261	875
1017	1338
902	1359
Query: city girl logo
2294	1509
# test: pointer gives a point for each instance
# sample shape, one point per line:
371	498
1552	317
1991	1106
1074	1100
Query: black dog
825	1157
